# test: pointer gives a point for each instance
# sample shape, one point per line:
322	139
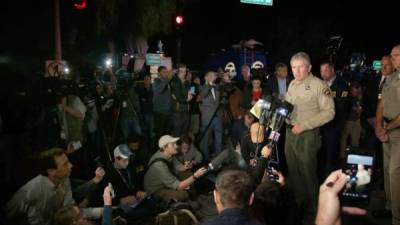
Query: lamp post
178	23
57	30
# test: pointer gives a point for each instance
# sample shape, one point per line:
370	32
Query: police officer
331	132
388	131
313	107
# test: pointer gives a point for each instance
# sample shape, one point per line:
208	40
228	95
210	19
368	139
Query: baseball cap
122	151
164	140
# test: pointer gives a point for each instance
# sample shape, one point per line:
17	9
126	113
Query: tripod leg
204	143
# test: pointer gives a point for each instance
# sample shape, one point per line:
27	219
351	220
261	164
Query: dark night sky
287	27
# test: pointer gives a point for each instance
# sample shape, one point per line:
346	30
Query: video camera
226	89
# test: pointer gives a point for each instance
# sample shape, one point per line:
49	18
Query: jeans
180	123
162	125
130	125
216	130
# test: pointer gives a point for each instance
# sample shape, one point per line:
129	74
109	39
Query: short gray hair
303	56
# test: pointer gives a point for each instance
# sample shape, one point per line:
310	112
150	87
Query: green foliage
141	17
106	15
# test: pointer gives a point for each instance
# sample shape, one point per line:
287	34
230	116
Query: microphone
217	162
282	112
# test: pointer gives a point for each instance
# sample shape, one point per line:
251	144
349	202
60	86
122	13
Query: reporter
252	146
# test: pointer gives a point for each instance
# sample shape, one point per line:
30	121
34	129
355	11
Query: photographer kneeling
160	178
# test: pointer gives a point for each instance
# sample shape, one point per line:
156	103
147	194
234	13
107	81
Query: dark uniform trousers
391	111
301	157
391	160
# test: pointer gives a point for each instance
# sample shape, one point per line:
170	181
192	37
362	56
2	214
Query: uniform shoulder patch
327	91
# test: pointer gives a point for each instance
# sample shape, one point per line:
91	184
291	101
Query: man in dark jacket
277	85
145	93
331	132
162	102
129	112
181	97
211	116
233	193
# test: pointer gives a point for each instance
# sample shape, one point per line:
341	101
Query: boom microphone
217	162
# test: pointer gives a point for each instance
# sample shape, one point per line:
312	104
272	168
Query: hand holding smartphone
358	169
112	192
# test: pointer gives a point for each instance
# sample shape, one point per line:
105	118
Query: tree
140	17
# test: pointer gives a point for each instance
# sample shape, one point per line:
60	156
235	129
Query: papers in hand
256	110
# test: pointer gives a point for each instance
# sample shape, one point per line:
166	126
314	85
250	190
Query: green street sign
258	2
153	59
376	64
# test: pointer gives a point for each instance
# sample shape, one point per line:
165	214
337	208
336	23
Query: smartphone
193	90
272	173
112	192
358	168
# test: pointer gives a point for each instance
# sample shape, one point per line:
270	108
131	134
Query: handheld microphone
281	113
217	162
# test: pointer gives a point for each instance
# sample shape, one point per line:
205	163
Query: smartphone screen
358	169
193	90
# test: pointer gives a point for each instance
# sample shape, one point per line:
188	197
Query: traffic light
179	20
81	5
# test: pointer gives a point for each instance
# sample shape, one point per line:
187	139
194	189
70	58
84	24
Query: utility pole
57	30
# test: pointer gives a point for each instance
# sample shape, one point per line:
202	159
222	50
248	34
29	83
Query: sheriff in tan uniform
388	131
313	107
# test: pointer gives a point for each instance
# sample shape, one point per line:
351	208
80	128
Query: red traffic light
81	6
179	20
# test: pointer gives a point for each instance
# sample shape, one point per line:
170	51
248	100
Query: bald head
395	57
387	67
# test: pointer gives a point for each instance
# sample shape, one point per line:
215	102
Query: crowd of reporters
156	137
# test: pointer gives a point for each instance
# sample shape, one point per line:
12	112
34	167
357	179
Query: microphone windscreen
220	159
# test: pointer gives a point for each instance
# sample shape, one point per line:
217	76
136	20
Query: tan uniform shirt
391	96
312	101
